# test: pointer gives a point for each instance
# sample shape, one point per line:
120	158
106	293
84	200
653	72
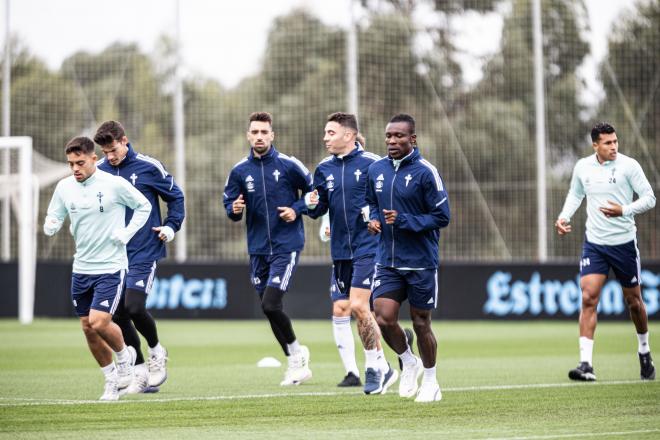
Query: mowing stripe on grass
20	401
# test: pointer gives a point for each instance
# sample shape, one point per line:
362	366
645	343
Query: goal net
24	172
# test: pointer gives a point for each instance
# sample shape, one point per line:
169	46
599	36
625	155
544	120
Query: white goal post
26	227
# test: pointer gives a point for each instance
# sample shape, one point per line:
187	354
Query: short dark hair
108	132
601	128
403	117
261	117
346	120
79	145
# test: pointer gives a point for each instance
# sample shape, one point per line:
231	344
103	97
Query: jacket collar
354	152
131	154
270	155
411	157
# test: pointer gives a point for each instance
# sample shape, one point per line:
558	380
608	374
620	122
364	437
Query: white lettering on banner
177	292
558	297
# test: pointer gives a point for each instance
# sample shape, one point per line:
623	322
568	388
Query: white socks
407	357
586	349
382	362
293	347
123	355
643	346
157	349
341	329
109	370
429	375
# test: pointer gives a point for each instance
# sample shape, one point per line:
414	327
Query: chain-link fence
474	110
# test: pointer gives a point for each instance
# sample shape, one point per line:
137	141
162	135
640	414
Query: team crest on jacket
249	183
330	182
379	183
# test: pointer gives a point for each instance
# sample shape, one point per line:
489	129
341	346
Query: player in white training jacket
608	179
95	202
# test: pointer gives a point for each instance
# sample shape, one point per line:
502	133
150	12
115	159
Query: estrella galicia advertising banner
525	291
466	291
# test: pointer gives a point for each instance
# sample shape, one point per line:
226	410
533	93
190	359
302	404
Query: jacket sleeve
436	203
56	213
574	197
319	185
233	189
134	199
302	180
170	192
371	199
642	187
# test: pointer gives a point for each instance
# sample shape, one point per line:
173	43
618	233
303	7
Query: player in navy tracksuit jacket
145	248
269	187
340	181
408	206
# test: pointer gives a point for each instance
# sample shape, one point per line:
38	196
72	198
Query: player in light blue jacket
608	179
95	203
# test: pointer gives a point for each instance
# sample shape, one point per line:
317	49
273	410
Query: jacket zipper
263	183
343	199
392	207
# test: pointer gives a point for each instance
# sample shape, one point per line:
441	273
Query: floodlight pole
179	138
539	99
352	60
6	131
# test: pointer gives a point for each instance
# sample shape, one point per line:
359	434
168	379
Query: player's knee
341	308
634	303
385	321
87	327
135	302
589	298
136	309
360	309
271	302
98	323
421	324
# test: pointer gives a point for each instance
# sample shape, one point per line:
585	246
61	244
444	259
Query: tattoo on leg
368	331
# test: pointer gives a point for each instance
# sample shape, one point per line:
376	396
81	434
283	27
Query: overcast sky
225	39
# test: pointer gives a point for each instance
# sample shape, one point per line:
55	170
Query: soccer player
95	202
340	185
269	186
407	207
146	247
608	179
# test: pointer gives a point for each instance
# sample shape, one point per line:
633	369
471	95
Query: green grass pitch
500	380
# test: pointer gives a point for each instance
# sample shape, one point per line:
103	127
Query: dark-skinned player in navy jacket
408	206
144	250
269	187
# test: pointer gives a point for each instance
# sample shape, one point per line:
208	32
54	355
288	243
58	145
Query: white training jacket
97	209
614	180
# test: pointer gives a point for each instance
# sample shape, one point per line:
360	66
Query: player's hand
51	226
563	227
166	233
312	199
612	210
390	216
119	237
238	205
287	214
373	227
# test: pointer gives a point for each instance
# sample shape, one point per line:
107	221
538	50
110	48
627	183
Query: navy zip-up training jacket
417	193
342	188
266	183
151	178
